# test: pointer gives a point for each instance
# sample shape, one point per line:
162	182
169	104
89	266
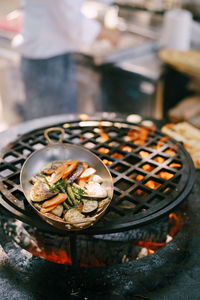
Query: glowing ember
103	135
159	159
150	251
161	141
153	184
117	168
138	136
170	152
139	177
141	194
117	155
83	117
175	165
58	256
144	154
165	175
61	255
147	167
126	148
103	150
107	162
150	245
175	224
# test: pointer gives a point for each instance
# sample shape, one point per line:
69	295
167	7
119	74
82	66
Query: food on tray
184	61
189	135
69	191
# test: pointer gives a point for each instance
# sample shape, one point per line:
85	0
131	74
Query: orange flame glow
165	175
83	117
61	256
138	136
117	155
103	150
175	165
144	154
153	184
159	159
175	223
104	135
126	148
107	162
161	141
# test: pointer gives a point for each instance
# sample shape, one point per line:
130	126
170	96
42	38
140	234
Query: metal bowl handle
54	129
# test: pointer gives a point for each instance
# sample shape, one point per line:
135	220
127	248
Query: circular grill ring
87	133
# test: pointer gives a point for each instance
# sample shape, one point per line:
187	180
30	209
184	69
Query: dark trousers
50	86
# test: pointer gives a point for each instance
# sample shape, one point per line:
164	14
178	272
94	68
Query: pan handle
54	129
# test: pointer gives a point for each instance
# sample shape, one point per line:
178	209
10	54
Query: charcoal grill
120	145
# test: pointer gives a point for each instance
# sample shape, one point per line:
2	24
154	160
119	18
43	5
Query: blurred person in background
52	30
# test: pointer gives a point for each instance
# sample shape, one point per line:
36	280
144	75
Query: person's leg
50	86
65	84
30	70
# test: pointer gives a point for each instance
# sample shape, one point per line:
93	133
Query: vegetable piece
71	194
96	178
33	180
69	201
74	215
103	204
70	169
89	206
59	186
79	188
58	210
76	219
63	171
55	164
54	217
94	198
67	206
78	171
94	189
76	193
87	173
40	192
48	171
37	205
55	200
45	210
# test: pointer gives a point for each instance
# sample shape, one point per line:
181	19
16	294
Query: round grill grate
152	173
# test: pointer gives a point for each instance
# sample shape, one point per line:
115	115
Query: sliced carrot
87	173
45	210
63	171
55	200
70	169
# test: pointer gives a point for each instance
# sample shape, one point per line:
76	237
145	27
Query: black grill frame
13	156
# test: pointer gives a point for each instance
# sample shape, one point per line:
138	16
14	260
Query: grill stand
75	267
73	251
